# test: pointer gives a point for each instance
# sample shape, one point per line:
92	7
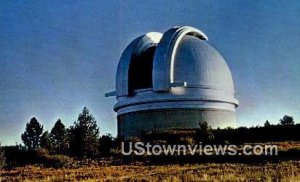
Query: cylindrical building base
136	123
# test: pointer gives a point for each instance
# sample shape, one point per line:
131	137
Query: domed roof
176	69
200	65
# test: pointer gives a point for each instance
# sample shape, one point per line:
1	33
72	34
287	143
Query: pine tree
267	124
59	137
31	136
46	141
287	120
84	135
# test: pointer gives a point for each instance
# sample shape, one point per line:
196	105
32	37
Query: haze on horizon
57	57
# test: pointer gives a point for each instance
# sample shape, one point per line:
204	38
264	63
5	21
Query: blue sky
57	57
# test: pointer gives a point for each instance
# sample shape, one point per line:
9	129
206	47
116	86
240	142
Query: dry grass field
283	171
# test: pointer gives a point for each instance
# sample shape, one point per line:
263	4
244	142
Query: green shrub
40	153
57	161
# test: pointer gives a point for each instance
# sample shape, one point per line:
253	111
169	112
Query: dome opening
140	70
196	34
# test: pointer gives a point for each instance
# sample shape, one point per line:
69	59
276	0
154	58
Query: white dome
199	65
177	69
172	80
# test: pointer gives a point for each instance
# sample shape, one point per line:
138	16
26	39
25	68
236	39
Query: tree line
79	140
82	140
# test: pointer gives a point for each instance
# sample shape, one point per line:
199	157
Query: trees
57	140
46	141
81	140
203	125
267	124
31	136
106	144
205	133
84	135
59	137
287	120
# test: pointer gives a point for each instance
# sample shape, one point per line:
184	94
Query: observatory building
172	81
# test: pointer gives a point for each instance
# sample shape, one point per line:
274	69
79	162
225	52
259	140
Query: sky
58	56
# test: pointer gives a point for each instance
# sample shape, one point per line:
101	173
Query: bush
17	157
57	161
